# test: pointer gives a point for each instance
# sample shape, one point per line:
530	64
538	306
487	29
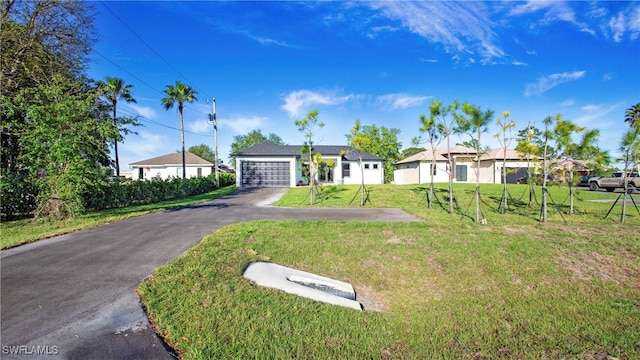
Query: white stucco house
415	169
272	165
170	165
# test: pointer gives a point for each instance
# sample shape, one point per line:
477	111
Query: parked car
584	181
615	181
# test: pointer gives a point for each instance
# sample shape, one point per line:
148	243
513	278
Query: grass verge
449	288
20	232
539	293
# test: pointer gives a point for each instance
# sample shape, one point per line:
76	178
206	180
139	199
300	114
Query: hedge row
19	196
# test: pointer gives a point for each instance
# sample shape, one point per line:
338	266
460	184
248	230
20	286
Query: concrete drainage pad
303	284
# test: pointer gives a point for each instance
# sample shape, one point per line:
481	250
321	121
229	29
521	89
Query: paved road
72	296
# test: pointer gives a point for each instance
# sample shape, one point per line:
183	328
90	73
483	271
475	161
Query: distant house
272	165
415	169
170	165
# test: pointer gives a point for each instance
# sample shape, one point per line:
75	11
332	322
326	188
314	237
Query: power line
142	81
157	123
150	47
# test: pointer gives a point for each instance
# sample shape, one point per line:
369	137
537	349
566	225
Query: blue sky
269	63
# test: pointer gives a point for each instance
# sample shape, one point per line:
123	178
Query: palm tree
180	93
632	115
114	89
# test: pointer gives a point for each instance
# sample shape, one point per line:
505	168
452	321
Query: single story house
271	165
170	165
415	169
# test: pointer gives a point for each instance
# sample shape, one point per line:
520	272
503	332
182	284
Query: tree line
58	125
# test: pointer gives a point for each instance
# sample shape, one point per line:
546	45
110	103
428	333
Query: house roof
441	154
498	154
423	156
173	159
268	148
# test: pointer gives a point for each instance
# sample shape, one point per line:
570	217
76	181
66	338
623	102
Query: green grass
20	232
450	289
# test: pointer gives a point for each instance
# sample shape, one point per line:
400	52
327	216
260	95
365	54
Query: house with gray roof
170	165
271	165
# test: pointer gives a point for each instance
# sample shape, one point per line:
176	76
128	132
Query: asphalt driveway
73	296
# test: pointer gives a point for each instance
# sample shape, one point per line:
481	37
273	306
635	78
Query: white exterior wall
441	175
371	176
295	173
165	172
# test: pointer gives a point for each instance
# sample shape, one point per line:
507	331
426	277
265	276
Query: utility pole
214	122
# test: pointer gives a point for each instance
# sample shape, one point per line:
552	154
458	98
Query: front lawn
448	288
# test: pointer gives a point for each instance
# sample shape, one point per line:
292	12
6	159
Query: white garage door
265	173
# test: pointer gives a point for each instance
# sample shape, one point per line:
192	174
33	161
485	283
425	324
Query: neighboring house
491	166
272	165
415	169
170	165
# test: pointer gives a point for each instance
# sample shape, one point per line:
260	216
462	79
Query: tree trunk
184	167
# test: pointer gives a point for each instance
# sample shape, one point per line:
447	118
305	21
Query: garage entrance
266	174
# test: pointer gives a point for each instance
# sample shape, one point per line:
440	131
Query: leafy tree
179	94
471	143
114	89
254	137
67	145
630	146
410	151
529	143
474	122
384	143
40	40
632	115
358	141
433	128
505	141
447	122
204	151
309	126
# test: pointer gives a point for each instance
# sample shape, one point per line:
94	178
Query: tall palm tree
180	93
114	89
632	115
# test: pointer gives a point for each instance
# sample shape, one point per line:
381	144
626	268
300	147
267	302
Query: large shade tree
384	143
179	94
114	89
254	137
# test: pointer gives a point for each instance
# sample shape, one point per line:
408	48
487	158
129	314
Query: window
140	174
199	172
433	169
346	170
375	166
366	166
177	172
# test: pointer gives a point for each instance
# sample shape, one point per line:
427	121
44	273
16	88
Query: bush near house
19	196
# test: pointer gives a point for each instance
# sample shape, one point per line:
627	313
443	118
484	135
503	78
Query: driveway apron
73	296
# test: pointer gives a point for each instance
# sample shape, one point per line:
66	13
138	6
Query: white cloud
568	102
201	126
145	112
143	146
401	101
552	11
593	112
625	21
546	83
518	63
243	124
458	26
298	101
